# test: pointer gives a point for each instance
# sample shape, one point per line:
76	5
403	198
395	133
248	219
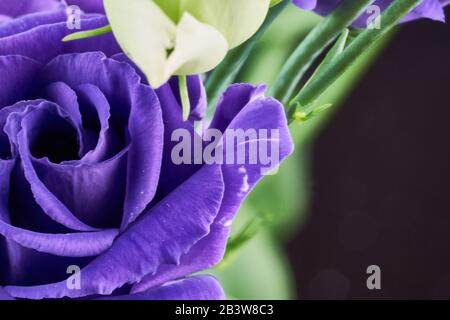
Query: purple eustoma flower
432	9
86	175
17	8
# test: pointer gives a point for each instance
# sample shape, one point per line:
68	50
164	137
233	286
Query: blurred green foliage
260	268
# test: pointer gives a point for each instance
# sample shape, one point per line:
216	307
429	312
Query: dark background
381	180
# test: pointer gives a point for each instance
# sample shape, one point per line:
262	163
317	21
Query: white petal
145	34
198	48
237	20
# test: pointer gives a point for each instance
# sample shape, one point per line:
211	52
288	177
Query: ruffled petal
18	74
170	91
29	21
83	244
129	99
4	295
47	201
89	6
62	95
431	9
92	188
18	8
50	36
193	288
306	4
161	236
105	142
71	245
241	107
173	175
6	167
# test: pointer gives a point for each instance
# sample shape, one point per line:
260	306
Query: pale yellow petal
237	20
198	48
145	33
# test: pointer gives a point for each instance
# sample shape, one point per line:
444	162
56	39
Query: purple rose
87	178
432	9
17	8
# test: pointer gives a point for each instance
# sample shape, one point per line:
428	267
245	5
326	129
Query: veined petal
17	76
83	244
193	288
4	295
162	236
50	34
18	8
88	6
241	107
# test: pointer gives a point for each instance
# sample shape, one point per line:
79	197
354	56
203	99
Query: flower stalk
313	45
184	95
332	71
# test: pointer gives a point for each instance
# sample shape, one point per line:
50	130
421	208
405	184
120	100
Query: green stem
184	94
227	71
334	52
357	47
313	45
88	33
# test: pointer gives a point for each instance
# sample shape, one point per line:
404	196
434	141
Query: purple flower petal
51	205
161	236
62	95
96	112
197	96
192	288
50	35
306	4
18	8
121	86
6	167
83	244
72	245
30	21
431	9
19	115
173	175
92	188
15	259
17	78
89	6
4	295
243	107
